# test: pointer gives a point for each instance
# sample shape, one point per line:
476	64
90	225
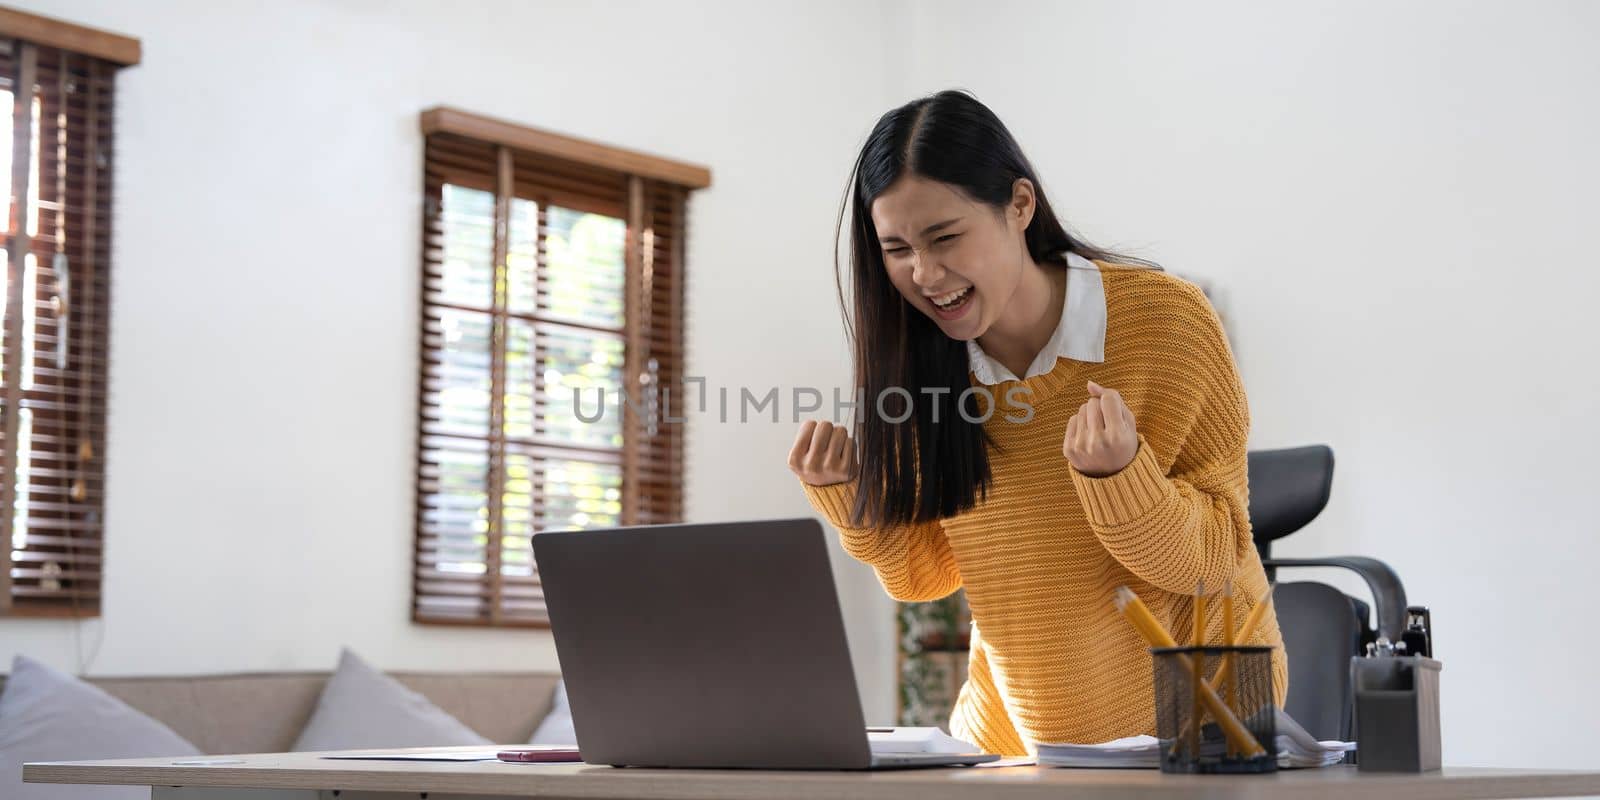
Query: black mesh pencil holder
1246	694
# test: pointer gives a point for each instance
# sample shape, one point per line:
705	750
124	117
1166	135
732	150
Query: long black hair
920	470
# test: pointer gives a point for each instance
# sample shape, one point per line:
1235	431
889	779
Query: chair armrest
1387	591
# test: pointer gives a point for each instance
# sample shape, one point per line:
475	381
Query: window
552	275
57	93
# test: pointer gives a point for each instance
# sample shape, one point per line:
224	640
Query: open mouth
952	301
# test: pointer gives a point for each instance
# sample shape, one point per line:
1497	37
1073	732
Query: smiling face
958	261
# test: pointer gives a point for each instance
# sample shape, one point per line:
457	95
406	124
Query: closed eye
902	250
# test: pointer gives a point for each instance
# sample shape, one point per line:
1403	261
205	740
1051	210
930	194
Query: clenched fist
823	453
1101	438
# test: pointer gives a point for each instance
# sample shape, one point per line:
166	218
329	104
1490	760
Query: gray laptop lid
716	645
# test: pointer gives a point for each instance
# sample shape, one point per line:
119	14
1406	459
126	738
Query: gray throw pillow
362	708
557	725
48	715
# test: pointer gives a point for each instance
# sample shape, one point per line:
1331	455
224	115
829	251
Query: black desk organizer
1396	713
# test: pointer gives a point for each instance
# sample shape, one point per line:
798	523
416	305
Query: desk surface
308	771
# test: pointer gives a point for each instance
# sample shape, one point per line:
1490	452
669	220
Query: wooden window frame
69	71
587	176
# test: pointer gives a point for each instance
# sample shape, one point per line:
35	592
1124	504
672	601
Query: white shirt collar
1079	335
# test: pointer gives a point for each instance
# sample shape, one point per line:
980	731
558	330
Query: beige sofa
264	712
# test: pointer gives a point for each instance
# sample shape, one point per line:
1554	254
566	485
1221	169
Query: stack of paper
1296	748
916	740
1133	752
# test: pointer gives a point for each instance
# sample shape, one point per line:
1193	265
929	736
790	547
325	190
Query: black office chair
1322	626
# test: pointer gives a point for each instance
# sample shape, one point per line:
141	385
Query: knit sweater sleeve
913	562
1177	527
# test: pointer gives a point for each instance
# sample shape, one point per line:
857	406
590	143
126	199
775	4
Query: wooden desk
301	776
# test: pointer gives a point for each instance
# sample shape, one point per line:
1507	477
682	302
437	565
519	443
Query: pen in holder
1197	744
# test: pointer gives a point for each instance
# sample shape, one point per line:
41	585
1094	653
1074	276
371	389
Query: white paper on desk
1132	752
916	740
1296	749
413	755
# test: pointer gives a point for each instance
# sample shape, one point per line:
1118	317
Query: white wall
264	336
1399	202
1391	197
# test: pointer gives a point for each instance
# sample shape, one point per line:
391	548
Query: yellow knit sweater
1051	659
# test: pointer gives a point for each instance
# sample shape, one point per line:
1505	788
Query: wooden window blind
550	264
57	86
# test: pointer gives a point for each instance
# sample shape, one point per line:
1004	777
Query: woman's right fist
823	453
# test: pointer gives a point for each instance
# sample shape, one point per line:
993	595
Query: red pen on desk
546	753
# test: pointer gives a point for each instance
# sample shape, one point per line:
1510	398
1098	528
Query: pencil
1197	667
1156	636
1227	660
1247	630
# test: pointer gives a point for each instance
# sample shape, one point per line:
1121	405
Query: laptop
708	646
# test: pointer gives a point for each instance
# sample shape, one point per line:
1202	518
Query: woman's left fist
1101	438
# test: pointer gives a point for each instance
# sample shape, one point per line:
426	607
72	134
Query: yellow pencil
1248	629
1156	636
1197	667
1227	661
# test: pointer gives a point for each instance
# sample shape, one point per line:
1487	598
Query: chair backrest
1288	489
1320	634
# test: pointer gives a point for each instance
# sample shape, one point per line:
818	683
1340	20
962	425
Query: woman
1043	421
